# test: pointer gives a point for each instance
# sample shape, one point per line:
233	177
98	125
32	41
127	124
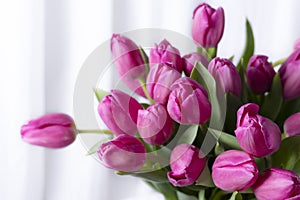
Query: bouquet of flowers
205	128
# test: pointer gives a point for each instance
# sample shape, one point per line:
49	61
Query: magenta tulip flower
187	163
189	61
165	53
289	75
277	184
292	125
155	125
257	135
188	102
208	25
54	130
159	81
119	112
226	75
234	170
124	153
260	74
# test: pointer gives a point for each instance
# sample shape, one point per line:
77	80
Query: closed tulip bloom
277	184
188	102
119	112
124	153
234	170
289	75
208	25
257	135
166	54
260	74
54	130
292	125
155	125
189	61
159	81
226	75
187	163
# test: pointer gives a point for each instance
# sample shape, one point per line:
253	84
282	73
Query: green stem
94	131
233	195
278	62
142	82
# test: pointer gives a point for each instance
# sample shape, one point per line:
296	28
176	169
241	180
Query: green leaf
233	104
158	176
288	156
273	101
95	147
201	195
225	139
100	94
188	135
167	190
205	178
182	196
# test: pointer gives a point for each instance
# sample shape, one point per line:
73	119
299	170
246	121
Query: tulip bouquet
207	128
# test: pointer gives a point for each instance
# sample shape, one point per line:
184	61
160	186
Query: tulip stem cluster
143	84
101	131
278	62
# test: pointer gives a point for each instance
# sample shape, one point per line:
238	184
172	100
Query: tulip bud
186	94
159	80
234	170
119	112
166	54
289	75
292	125
226	75
257	135
208	25
155	125
189	61
277	184
260	74
124	153
187	163
54	130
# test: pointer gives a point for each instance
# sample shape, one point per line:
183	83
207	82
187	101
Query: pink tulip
187	163
234	170
257	135
208	25
188	102
124	153
155	125
119	112
165	53
54	130
292	125
277	184
189	61
159	81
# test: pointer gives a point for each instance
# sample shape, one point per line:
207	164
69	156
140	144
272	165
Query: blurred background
43	44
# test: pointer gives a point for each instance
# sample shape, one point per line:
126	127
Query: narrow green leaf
205	178
288	156
96	146
225	139
273	101
158	176
188	135
167	190
182	196
100	94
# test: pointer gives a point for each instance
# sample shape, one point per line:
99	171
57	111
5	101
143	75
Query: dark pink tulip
189	61
292	125
208	25
166	54
119	112
257	135
226	75
234	170
155	125
159	81
289	75
124	153
187	163
260	74
188	102
277	184
54	130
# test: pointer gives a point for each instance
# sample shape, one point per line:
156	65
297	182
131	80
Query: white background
43	43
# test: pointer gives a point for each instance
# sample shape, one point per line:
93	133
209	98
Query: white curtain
43	44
